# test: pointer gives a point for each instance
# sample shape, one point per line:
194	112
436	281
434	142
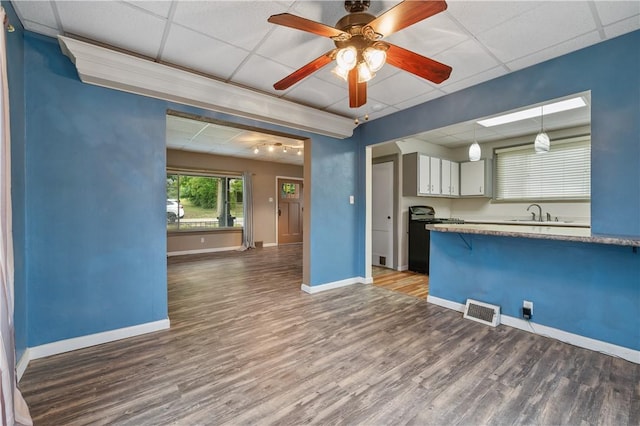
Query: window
201	202
560	174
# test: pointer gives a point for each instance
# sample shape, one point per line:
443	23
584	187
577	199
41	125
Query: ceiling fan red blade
357	91
304	72
419	65
404	14
298	23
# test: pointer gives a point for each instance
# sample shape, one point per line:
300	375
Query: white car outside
174	211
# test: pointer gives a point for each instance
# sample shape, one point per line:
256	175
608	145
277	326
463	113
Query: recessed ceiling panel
118	24
201	53
539	28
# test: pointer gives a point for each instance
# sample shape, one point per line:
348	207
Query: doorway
382	214
289	210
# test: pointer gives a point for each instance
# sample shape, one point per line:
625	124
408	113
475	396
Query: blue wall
15	71
95	231
335	247
588	289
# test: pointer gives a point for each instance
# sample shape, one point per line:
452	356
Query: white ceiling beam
116	70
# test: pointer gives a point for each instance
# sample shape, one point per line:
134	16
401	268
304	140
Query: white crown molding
105	67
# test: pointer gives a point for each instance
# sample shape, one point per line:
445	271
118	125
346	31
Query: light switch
351	199
271	199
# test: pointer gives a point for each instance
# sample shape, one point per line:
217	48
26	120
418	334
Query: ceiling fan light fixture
341	72
347	58
364	73
375	58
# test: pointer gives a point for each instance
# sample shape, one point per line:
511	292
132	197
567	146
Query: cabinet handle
480	189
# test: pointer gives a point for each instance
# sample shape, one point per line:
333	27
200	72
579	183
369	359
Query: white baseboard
606	348
22	364
201	251
311	289
67	345
403	268
270	245
445	303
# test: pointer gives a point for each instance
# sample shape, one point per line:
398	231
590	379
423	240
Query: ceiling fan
359	51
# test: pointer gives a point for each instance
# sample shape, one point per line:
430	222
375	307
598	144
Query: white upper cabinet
450	178
423	175
475	178
434	173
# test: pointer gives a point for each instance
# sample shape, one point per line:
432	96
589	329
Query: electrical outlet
527	309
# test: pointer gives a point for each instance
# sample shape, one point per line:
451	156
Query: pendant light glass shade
474	152
375	58
347	58
542	143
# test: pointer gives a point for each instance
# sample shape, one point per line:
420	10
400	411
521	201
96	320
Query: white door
382	214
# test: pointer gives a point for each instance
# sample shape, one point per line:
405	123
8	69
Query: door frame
394	207
277	203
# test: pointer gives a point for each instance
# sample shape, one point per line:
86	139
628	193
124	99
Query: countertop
563	233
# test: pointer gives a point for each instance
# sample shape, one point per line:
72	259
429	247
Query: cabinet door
445	166
424	184
455	179
472	178
434	173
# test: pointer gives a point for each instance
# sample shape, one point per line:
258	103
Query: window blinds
562	173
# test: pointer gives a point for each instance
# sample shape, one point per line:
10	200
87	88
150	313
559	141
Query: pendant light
474	149
542	142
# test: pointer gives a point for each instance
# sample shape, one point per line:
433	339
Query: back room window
197	202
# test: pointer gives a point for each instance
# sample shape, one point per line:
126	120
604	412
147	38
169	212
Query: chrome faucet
539	212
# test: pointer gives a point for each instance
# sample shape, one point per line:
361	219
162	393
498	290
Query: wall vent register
482	312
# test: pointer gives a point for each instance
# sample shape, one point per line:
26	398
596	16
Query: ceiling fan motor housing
356	5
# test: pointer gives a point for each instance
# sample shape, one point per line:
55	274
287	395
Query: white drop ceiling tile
261	73
160	8
372	106
399	88
219	134
117	24
420	99
466	59
40	29
240	23
316	93
547	25
622	27
184	124
294	48
201	53
555	51
481	77
429	37
479	16
39	12
614	11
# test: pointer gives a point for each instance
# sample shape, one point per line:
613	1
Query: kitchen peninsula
585	288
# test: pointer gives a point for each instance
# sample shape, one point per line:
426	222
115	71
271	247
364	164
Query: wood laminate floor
246	346
407	282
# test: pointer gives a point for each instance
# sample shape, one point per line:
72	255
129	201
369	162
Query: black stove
427	214
419	237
